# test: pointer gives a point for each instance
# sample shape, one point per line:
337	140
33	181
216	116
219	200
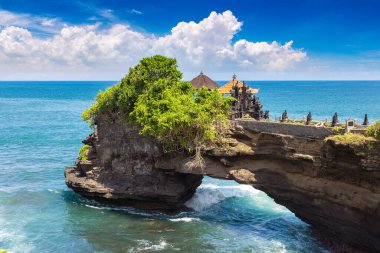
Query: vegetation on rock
83	152
351	138
336	129
153	96
374	130
121	98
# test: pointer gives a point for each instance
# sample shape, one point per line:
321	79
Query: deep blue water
41	132
350	99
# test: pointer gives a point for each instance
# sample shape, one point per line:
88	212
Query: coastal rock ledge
334	187
120	170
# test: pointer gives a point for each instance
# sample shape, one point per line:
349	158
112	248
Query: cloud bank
92	52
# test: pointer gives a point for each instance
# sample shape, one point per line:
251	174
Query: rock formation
120	170
332	186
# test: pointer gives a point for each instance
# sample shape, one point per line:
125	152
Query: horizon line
258	80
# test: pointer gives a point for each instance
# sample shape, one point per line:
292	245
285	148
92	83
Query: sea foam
147	246
184	219
208	195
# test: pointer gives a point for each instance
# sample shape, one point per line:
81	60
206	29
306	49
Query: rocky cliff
334	187
120	170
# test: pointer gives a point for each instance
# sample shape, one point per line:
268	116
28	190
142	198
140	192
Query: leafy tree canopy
153	96
123	96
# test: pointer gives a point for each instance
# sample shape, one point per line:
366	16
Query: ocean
41	132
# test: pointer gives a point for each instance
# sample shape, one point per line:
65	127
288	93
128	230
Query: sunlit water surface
41	132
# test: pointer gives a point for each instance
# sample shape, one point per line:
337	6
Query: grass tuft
374	130
351	138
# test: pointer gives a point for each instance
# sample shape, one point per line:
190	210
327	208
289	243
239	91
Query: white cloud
209	42
37	23
134	11
105	52
107	13
48	22
8	18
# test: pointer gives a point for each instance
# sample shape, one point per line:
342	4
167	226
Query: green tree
121	98
182	117
153	96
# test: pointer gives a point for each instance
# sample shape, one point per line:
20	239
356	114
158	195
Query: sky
256	39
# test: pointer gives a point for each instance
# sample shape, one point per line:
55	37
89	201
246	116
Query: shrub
106	102
336	129
374	130
83	152
351	138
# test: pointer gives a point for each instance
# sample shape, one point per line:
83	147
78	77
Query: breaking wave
184	219
208	195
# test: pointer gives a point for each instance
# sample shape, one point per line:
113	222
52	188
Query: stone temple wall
284	128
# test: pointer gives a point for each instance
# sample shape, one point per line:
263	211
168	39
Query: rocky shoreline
332	186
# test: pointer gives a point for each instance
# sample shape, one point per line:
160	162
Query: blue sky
328	39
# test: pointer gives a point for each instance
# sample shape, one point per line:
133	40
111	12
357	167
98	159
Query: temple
203	81
246	104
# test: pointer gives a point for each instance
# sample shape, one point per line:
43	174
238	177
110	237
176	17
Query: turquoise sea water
41	132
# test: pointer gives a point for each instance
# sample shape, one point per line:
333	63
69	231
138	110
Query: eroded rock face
120	170
333	187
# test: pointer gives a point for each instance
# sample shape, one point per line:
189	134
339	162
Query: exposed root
196	162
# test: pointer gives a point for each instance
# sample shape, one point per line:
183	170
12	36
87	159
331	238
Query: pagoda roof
228	87
203	81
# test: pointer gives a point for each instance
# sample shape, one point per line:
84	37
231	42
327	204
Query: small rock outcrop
120	170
